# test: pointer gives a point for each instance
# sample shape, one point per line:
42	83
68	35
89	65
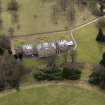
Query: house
46	49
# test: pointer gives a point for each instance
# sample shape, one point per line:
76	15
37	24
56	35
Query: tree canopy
11	71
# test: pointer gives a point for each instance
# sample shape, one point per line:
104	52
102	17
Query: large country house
44	49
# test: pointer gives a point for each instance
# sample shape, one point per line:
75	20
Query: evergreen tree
98	76
100	37
102	62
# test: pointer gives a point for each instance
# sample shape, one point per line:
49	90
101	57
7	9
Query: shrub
94	78
49	74
55	73
98	76
72	74
39	75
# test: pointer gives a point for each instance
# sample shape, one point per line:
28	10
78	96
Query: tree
98	76
13	5
65	54
5	42
11	71
102	62
100	37
64	4
52	61
64	8
73	56
92	5
101	23
11	32
71	73
97	7
0	7
102	6
71	15
1	21
55	14
15	17
49	73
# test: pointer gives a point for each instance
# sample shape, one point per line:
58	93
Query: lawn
37	39
34	63
89	51
55	95
34	17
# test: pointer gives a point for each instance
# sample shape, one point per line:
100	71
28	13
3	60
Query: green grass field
36	16
89	51
55	95
69	93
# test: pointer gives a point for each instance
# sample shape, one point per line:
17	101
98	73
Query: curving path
81	26
66	83
81	84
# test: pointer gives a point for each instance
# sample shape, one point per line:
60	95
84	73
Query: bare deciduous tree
11	71
64	9
71	16
101	23
1	21
5	42
52	61
13	7
73	54
11	32
64	4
